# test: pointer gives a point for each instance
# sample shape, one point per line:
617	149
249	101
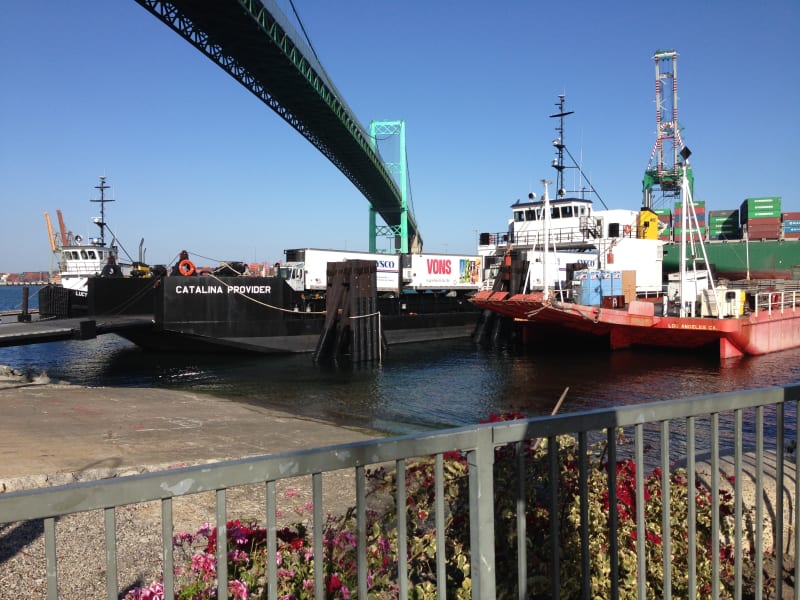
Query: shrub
196	577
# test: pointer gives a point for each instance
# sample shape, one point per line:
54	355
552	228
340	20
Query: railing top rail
84	496
624	416
91	495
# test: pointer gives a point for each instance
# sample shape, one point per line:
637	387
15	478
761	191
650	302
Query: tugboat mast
102	200
558	163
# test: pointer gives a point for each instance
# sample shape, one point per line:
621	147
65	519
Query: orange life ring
627	229
186	267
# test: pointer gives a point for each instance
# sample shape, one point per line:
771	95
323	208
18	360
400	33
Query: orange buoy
186	267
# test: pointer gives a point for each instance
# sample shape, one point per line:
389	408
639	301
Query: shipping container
760	208
611	283
587	288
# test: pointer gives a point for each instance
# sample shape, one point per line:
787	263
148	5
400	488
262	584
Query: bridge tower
380	131
662	178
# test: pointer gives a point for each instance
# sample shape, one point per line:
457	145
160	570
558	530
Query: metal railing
745	432
778	301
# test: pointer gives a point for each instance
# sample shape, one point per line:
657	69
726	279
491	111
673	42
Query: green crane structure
669	158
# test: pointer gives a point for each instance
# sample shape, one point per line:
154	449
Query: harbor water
417	387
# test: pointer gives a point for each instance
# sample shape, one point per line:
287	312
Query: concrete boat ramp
36	332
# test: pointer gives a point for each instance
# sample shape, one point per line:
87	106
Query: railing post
481	515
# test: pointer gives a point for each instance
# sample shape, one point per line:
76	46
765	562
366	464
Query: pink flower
238	590
179	538
204	563
238	556
155	591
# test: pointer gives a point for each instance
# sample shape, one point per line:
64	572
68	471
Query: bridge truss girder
252	43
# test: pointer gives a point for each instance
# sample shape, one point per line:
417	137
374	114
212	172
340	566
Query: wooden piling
24	316
352	323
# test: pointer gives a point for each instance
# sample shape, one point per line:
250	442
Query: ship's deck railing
743	433
575	237
777	301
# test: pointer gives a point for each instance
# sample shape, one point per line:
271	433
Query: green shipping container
756	208
678	230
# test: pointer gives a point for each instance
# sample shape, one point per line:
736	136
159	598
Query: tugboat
79	260
604	305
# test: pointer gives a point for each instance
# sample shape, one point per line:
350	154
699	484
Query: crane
665	170
50	234
63	228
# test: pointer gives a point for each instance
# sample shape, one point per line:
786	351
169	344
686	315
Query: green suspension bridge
255	44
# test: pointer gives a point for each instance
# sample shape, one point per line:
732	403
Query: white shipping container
646	257
316	262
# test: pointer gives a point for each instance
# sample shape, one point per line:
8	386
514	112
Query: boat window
83	254
530	214
555	213
519	216
566	211
91	254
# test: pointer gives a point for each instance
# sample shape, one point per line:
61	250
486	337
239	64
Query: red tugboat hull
773	327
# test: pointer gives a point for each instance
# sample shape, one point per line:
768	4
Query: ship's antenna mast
102	200
561	149
560	145
665	171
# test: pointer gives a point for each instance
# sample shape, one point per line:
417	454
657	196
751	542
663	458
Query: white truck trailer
305	270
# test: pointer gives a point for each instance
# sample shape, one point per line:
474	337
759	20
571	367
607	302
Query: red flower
499	418
334	583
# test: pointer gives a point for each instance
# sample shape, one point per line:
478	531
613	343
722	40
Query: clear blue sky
195	161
